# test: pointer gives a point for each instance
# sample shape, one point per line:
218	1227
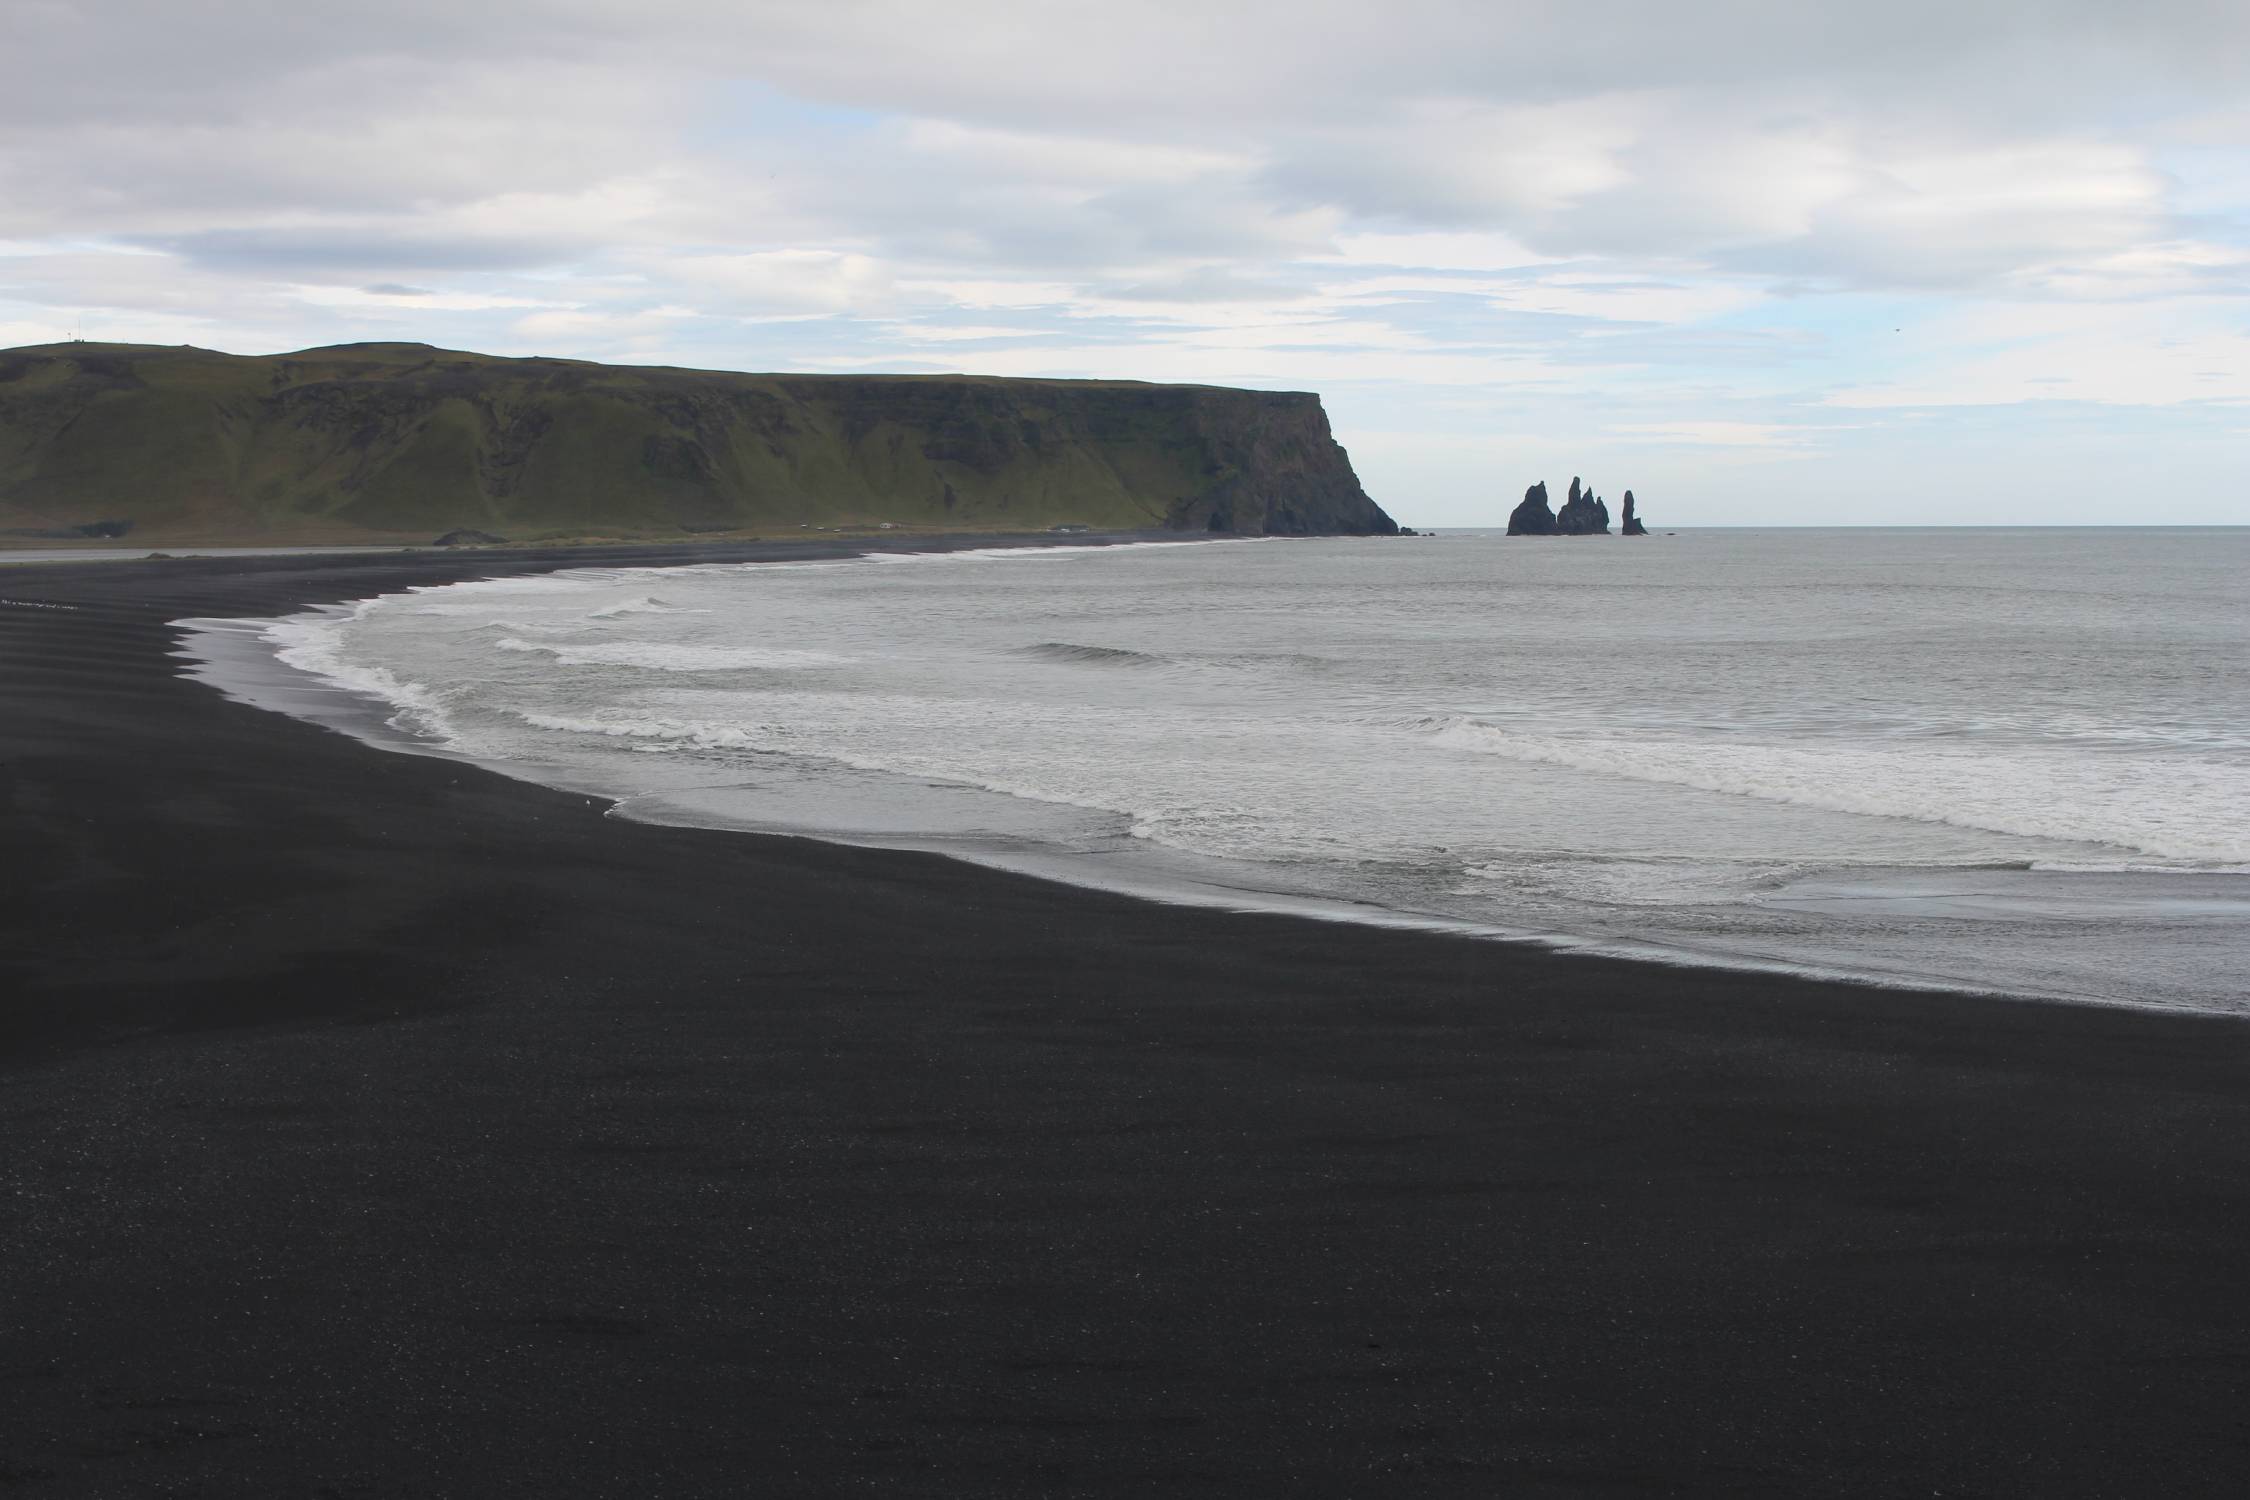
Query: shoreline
381	1124
251	672
262	680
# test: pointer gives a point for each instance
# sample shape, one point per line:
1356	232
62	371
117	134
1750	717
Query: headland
406	443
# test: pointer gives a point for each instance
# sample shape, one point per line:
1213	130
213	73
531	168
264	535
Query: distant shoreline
18	550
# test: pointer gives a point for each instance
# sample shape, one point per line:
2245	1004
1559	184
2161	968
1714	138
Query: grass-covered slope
384	442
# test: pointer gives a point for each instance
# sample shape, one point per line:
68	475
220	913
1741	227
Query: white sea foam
317	644
545	625
2201	817
644	605
2132	867
481	606
570	580
658	656
1645	745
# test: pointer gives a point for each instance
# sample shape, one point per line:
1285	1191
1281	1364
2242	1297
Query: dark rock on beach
466	537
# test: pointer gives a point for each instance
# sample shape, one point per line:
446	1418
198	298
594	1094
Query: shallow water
2015	760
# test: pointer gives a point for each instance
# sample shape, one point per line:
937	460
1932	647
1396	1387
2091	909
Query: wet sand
375	1125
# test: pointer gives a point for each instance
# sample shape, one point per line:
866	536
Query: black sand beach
374	1125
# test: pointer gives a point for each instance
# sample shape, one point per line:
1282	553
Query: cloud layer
1732	254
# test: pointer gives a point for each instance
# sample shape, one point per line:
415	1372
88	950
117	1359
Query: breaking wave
657	656
1405	730
646	605
1091	656
2202	819
316	644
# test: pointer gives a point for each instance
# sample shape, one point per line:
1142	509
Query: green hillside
401	442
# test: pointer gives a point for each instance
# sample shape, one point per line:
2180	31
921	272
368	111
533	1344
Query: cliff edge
400	442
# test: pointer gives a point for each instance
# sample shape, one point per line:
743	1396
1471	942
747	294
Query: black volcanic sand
377	1126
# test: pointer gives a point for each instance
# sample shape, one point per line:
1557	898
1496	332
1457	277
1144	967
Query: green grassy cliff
401	442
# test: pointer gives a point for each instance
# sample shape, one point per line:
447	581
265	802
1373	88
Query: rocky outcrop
1532	517
1582	514
468	537
366	442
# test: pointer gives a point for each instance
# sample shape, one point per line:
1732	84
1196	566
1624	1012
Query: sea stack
1532	518
1582	514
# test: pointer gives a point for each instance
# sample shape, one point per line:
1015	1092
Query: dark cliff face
1633	526
391	440
1278	470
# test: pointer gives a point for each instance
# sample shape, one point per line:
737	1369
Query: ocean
2007	761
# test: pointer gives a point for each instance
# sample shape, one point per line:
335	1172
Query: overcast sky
1916	261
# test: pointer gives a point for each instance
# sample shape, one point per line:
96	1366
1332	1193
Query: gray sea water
2006	760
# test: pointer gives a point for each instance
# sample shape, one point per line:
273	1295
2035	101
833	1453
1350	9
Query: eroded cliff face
404	441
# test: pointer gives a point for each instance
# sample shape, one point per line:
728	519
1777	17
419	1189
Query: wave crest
2202	820
647	604
657	656
1090	656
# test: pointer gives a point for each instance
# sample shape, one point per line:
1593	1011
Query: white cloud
959	333
2105	361
1762	435
1074	162
413	300
1436	250
781	281
1628	299
19	331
